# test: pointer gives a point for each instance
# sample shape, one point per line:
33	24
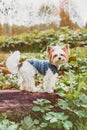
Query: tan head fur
58	55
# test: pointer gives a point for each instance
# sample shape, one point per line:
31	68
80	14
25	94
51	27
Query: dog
27	70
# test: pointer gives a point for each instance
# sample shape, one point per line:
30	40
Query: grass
81	52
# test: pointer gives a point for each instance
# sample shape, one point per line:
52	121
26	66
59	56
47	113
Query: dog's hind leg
27	72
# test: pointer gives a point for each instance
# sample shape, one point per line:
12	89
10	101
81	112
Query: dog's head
58	55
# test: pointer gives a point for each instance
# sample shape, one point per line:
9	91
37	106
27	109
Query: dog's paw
34	89
22	88
25	89
50	91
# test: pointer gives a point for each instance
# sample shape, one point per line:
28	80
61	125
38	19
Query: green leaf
43	125
41	102
67	125
20	129
79	113
36	121
12	127
42	110
47	116
3	116
61	94
2	127
53	120
84	105
63	104
55	116
27	122
48	107
83	98
36	108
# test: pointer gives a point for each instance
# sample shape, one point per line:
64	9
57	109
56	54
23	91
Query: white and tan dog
49	68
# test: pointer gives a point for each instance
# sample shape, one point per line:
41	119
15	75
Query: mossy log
21	101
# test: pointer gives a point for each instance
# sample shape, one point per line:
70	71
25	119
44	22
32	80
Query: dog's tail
13	61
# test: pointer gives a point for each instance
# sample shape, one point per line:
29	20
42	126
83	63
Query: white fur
49	81
26	73
13	61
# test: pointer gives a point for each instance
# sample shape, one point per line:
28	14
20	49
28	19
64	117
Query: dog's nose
59	58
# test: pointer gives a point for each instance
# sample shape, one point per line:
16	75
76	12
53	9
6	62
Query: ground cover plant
40	39
70	111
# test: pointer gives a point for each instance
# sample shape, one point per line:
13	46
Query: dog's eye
55	55
62	54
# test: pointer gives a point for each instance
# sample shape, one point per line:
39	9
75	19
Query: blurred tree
66	21
68	15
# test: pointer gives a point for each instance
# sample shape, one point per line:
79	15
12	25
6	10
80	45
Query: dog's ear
49	50
66	49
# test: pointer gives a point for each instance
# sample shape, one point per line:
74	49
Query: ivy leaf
3	116
42	110
47	116
2	127
48	107
12	127
36	121
80	113
67	125
61	94
36	108
43	125
63	104
53	120
20	129
27	122
83	98
84	105
41	102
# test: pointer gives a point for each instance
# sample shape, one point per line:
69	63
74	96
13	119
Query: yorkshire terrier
27	70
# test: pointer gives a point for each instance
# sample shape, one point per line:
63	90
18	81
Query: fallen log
21	101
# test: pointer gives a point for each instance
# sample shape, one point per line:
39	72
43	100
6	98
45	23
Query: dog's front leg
49	81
